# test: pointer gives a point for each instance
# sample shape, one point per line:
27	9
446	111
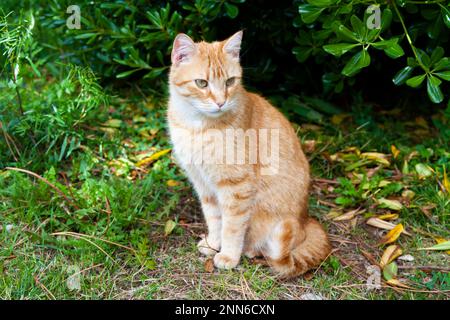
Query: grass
127	228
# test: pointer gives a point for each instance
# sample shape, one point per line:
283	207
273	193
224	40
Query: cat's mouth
214	112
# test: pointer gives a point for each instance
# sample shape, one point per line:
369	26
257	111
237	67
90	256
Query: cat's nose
220	104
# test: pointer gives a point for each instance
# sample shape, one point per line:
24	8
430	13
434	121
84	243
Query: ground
120	220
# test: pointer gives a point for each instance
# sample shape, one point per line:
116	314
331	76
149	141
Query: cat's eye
201	83
230	81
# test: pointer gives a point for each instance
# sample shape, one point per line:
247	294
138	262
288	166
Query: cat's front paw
207	248
223	261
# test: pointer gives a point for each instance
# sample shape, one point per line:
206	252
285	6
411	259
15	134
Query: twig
44	288
7	138
426	268
405	30
326	181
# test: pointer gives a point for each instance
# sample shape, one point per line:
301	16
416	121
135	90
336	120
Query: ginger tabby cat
247	209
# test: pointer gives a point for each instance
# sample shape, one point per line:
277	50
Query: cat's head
207	76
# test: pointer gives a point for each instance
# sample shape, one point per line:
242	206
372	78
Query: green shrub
335	27
45	116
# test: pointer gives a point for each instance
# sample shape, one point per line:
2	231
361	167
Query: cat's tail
301	247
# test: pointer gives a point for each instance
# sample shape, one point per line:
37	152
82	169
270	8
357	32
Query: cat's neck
183	113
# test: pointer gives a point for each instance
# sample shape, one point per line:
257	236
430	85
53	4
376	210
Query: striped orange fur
246	211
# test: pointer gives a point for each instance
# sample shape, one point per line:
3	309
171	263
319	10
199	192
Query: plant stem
409	38
19	100
425	2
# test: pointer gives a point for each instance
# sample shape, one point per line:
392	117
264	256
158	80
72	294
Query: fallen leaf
443	244
392	235
376	156
390	204
139	119
395	151
333	214
412	155
383	183
209	265
390	271
168	228
348	215
408	194
381	224
389	255
336	119
423	171
112	123
172	183
356	164
388	216
146	161
442	240
446	182
405	168
397	283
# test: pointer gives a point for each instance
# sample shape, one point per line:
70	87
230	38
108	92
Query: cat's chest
188	145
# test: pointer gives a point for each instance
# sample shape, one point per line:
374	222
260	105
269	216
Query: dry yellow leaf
392	235
397	283
348	215
378	223
446	182
338	118
388	216
169	226
441	240
389	255
383	183
390	204
333	214
408	194
146	161
395	151
376	156
172	183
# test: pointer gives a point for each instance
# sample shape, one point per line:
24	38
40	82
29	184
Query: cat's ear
183	48
232	45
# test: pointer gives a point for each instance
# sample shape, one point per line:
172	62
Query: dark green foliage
340	28
313	47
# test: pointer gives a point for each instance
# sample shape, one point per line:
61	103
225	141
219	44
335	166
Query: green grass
112	229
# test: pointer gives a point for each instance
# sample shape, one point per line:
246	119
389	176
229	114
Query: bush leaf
401	76
415	81
356	63
434	92
309	13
